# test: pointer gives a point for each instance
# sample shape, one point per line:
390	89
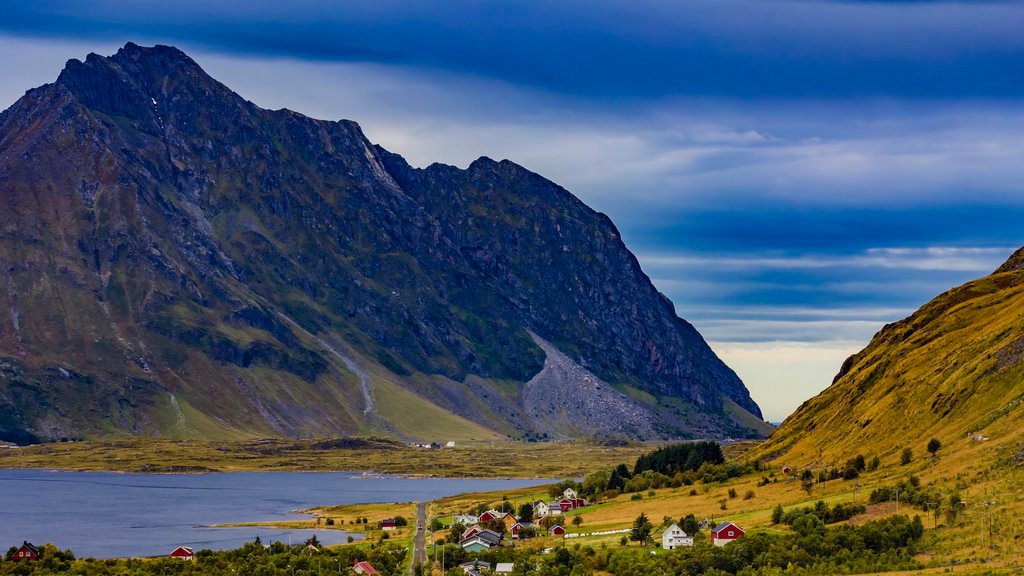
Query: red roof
364	568
26	552
727	531
182	552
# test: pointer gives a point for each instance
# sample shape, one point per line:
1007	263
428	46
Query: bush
732	492
906	456
749	495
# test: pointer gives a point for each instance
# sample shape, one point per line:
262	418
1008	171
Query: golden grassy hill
952	370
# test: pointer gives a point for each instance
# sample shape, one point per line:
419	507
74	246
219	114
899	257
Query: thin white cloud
959	259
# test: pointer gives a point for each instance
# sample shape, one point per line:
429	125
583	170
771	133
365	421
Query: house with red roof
726	532
182	553
27	553
364	567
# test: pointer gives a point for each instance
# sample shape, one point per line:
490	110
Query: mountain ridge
260	272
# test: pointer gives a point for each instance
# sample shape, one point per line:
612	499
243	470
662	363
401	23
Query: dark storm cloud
735	48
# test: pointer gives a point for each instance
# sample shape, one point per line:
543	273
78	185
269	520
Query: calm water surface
106	515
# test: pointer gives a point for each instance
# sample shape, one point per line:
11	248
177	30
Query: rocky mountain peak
197	264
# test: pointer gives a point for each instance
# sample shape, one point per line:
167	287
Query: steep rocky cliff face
178	261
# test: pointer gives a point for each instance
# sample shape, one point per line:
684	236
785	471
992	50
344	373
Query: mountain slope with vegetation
180	262
952	371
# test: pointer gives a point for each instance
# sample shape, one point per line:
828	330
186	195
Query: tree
642	528
577	520
808	486
777	514
807	524
875	463
933	446
455	533
859	463
526	513
596	482
689	524
906	456
616	481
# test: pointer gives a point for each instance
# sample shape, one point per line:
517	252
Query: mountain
178	261
953	370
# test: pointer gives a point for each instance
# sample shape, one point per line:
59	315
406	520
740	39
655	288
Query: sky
793	175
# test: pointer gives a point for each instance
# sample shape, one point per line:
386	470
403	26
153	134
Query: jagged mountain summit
953	371
178	261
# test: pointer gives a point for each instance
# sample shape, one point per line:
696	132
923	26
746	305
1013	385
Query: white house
569	493
674	538
466	519
540	509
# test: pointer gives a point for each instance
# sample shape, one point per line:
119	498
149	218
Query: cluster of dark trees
680	458
821	511
675	465
253	559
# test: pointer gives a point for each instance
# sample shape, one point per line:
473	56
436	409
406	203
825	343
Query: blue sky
792	174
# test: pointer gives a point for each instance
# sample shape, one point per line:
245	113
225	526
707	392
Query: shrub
906	456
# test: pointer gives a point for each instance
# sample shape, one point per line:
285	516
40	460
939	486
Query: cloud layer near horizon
791	174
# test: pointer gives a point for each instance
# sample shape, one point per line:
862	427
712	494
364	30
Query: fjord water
107	515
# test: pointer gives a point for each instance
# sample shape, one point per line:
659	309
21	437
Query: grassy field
481	460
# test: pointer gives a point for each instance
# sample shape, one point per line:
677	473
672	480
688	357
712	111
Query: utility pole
897	492
935	515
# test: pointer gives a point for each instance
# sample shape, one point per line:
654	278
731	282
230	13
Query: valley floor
372	456
983	536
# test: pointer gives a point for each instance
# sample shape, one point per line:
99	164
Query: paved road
419	541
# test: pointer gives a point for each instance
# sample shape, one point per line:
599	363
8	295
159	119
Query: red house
491	515
183	553
389	524
567	504
514	530
471	531
556	530
27	553
726	532
364	568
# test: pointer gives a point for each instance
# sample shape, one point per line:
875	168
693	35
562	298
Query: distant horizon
791	187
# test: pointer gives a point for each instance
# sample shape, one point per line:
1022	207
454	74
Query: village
654	511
